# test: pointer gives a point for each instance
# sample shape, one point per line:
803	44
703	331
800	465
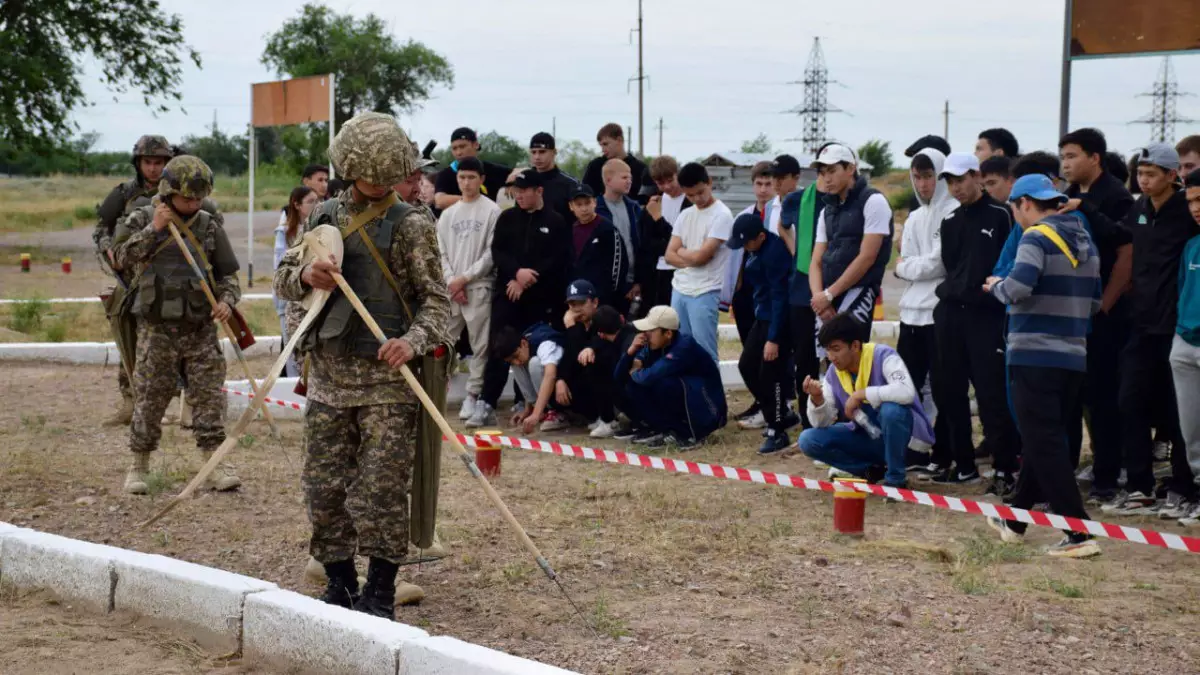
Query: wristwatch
828	295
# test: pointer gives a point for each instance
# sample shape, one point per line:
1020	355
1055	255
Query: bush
85	213
27	315
901	200
57	331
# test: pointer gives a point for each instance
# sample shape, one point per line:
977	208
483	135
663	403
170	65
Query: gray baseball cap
1160	155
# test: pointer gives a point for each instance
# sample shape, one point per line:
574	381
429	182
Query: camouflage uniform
175	328
119	203
360	429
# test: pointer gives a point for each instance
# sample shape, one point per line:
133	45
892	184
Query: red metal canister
849	508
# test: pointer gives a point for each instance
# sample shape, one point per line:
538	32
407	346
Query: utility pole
660	135
946	121
1164	114
554	127
641	80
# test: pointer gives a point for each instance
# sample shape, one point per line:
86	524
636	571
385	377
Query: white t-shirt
671	207
877	219
693	227
775	206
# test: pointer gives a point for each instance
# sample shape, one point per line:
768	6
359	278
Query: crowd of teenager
1048	291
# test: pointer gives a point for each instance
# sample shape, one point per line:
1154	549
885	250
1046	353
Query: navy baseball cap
581	289
746	227
1036	186
785	165
581	190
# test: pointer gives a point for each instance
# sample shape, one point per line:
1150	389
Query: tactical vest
340	330
844	223
168	290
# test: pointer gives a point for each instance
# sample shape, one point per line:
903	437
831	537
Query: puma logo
988	232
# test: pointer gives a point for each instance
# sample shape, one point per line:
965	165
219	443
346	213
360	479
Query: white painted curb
232	611
89	300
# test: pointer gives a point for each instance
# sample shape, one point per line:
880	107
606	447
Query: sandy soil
44	636
679	574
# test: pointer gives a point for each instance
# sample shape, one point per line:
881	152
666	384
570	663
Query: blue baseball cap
581	289
745	228
1036	186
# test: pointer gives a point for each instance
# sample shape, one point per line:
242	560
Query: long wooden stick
231	439
467	458
212	300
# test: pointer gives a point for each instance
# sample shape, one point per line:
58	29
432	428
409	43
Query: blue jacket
686	360
768	270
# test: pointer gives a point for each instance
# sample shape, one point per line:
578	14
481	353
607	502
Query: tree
759	145
222	153
879	154
135	44
573	158
374	71
493	147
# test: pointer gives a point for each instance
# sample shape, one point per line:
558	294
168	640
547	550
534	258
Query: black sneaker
629	433
915	461
1100	497
647	437
927	472
775	441
953	477
1003	485
672	442
746	414
790	421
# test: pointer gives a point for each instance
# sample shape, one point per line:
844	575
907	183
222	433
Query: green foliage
374	71
573	157
879	154
27	315
135	44
900	201
223	153
57	331
759	145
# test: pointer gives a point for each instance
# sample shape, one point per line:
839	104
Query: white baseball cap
661	316
959	163
835	153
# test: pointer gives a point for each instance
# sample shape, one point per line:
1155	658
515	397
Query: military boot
135	479
379	595
342	587
123	415
223	478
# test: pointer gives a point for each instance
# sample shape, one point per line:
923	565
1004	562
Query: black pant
656	291
804	353
1101	397
1043	399
917	346
742	307
602	382
970	343
1148	399
769	381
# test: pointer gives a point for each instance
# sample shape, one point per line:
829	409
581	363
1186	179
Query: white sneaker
604	430
1086	475
837	474
819	464
468	407
554	422
1192	518
485	416
756	422
593	425
1006	535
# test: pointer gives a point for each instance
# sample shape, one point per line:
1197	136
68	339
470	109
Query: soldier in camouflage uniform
360	429
150	155
175	321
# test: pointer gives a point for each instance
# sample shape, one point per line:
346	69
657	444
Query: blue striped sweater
1052	298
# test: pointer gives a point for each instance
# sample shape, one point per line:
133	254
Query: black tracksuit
494	177
970	334
538	240
1104	205
556	192
602	261
593	387
1147	396
593	175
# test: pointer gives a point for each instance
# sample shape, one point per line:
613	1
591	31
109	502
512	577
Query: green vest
168	290
340	330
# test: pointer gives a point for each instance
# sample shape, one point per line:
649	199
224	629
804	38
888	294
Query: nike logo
988	232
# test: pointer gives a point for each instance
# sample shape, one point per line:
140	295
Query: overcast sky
718	71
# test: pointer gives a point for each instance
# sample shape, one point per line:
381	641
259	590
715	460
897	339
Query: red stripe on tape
267	399
1152	537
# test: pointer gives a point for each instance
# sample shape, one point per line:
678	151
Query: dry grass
87	323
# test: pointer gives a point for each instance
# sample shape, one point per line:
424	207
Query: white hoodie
921	250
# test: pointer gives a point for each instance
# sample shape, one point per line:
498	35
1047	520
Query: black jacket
540	241
603	261
1158	241
556	192
972	238
1105	206
593	176
654	235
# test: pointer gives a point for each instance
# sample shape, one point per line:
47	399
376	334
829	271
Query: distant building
730	172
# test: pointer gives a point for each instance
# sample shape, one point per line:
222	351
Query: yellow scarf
1049	233
866	361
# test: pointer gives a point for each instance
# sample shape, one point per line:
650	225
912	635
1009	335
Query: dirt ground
679	574
44	636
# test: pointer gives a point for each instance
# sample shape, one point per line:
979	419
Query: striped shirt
1053	291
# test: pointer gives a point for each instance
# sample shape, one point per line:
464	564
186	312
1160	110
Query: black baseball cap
464	134
746	227
526	179
649	188
581	190
936	142
785	165
541	140
607	320
581	289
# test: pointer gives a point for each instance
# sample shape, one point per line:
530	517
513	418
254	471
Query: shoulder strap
357	223
1049	233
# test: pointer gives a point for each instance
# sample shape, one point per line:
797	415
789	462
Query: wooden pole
212	300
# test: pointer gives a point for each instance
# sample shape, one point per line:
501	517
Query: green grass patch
26	316
606	622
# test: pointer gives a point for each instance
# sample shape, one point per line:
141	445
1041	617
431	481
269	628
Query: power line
1164	113
816	104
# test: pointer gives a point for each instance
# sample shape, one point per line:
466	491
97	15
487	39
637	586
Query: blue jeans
698	316
850	449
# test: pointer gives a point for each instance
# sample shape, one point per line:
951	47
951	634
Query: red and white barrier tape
283	404
1150	537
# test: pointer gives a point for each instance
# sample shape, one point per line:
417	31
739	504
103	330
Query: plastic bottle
864	422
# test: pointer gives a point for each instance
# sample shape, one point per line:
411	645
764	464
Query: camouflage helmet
152	146
372	147
188	176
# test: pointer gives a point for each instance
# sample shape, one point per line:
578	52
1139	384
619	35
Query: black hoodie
1158	241
540	241
972	238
